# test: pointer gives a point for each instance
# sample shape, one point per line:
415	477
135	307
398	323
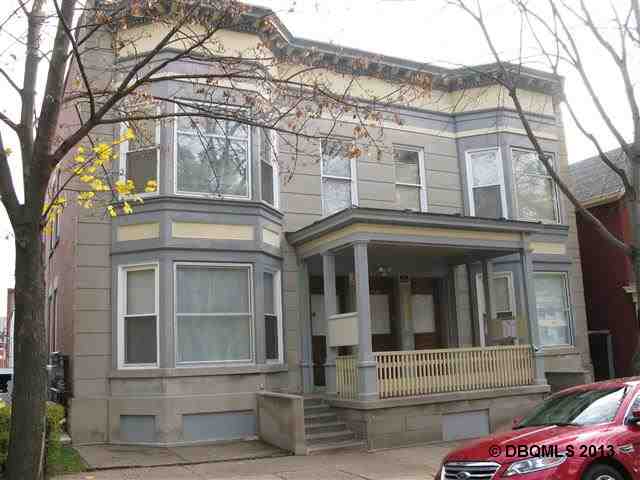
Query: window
214	314
138	319
535	191
504	325
212	157
52	320
554	311
338	169
269	169
140	155
410	183
272	317
54	233
486	184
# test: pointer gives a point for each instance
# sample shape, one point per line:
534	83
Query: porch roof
418	228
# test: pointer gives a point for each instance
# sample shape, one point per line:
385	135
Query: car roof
605	384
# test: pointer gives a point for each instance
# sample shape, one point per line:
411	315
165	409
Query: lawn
64	460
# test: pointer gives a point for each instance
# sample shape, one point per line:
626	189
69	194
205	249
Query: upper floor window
553	307
273	316
485	179
536	196
269	172
138	316
212	156
140	155
338	170
410	179
214	314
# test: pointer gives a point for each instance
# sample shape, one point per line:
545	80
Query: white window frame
252	350
481	298
122	312
124	149
554	188
422	173
568	311
470	186
353	164
274	165
250	156
277	287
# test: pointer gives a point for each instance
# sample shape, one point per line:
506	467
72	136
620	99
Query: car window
635	405
578	407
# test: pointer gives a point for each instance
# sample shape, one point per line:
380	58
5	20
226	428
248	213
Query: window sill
559	350
197	371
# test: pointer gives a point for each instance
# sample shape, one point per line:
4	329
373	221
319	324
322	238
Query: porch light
384	271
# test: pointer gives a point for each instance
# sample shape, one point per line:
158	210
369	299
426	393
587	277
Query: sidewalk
408	463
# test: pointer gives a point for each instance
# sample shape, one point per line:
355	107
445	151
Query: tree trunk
634	220
26	448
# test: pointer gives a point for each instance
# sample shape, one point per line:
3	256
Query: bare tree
253	88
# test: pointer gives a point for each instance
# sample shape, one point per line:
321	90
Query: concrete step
316	418
325	427
319	448
329	437
313	409
311	401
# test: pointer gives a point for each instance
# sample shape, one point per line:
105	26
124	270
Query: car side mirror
634	418
516	421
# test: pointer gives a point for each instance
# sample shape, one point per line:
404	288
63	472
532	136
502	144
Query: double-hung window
485	179
504	309
273	317
554	308
536	194
269	171
212	156
140	156
338	168
410	179
138	317
214	314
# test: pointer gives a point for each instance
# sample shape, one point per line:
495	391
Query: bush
55	417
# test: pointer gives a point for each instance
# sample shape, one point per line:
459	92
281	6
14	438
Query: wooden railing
421	372
347	377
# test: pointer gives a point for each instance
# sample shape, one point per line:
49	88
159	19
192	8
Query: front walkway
410	463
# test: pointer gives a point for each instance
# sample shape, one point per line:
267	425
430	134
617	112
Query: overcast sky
421	30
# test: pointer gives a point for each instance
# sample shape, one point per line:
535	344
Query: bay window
138	316
272	317
212	156
269	172
486	187
535	191
410	182
553	307
139	156
214	314
338	171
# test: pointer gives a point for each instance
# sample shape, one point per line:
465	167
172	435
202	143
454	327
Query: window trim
421	170
569	309
252	314
274	165
250	155
122	309
554	188
277	283
470	186
124	149
353	165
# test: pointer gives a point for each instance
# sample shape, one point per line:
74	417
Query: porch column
487	275
306	360
367	375
407	333
330	301
532	316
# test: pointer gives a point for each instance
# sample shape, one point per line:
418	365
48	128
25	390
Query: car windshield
580	407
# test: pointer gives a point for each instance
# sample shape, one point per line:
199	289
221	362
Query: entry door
424	313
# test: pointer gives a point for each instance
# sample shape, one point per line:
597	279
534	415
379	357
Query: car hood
500	447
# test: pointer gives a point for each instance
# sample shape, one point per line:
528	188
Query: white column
329	277
487	283
367	375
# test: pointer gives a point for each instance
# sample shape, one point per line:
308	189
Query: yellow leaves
151	186
7	151
87	178
85	199
126	208
125	187
129	134
111	211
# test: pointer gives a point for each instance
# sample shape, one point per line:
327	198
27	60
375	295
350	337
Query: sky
429	31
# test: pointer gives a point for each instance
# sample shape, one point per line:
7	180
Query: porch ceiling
453	237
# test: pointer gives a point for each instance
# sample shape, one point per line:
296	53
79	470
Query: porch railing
347	377
421	372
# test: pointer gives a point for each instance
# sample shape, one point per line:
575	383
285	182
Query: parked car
589	432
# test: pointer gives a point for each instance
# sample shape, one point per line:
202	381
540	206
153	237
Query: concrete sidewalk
408	463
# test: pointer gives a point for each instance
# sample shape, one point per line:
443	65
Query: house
611	311
432	291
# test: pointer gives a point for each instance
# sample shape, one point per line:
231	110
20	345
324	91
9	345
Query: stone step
313	409
319	448
329	437
311	401
325	427
316	418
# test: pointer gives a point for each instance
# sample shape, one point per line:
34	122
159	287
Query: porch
409	307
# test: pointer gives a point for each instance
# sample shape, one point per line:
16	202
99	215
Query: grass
64	460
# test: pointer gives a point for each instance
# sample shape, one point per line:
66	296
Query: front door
424	309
